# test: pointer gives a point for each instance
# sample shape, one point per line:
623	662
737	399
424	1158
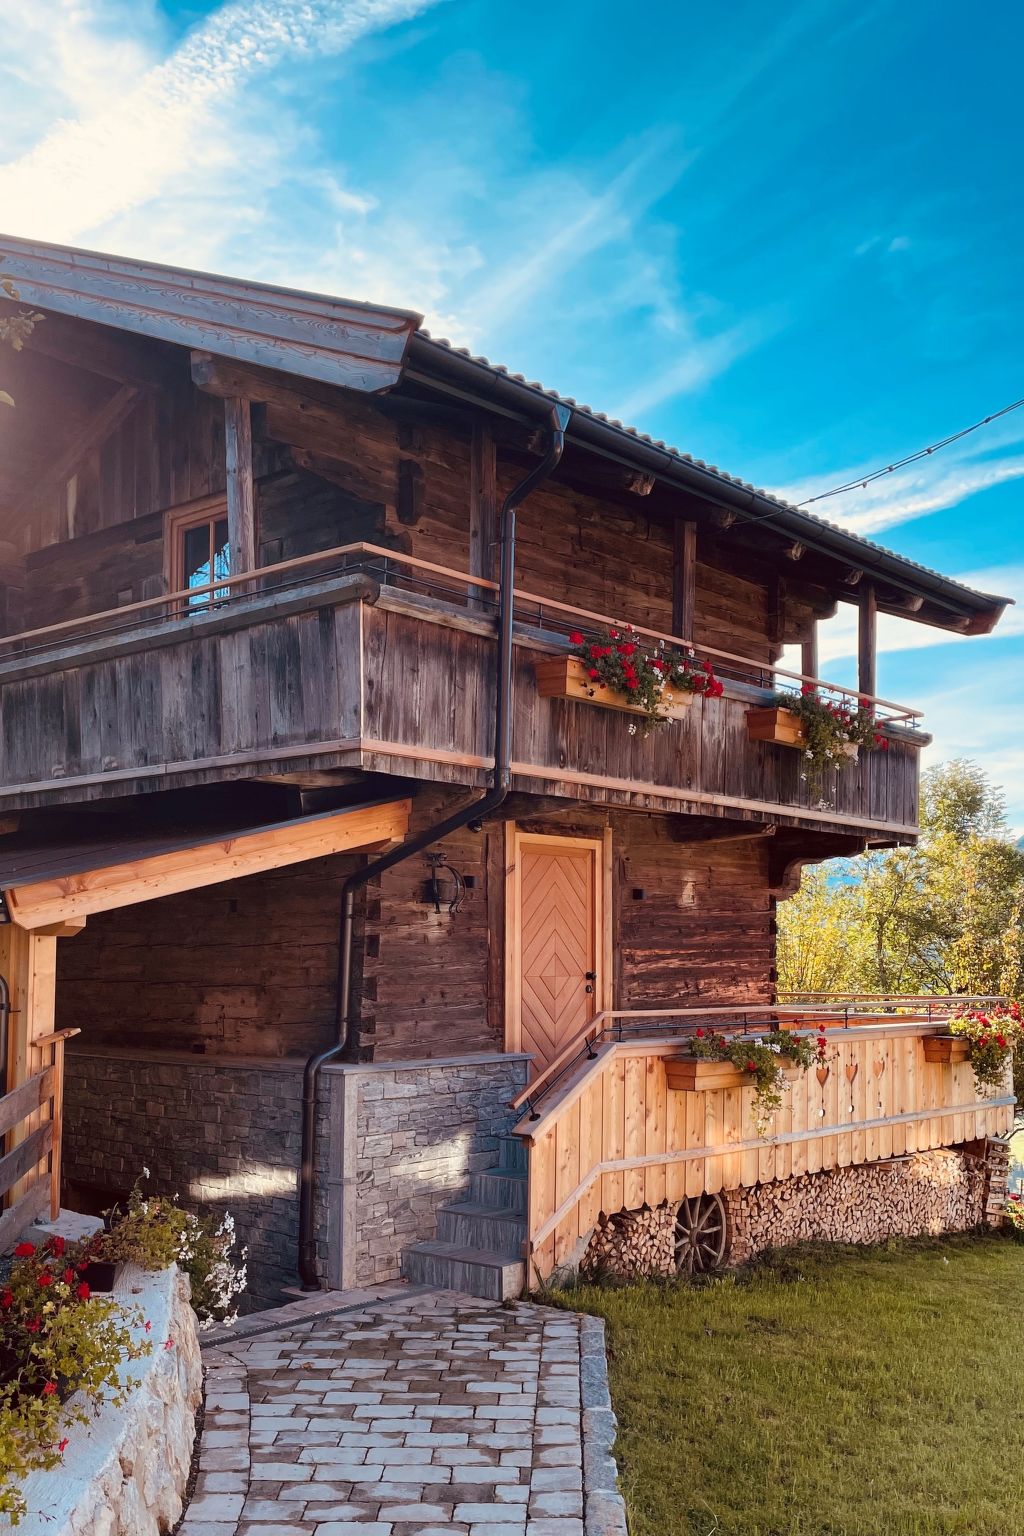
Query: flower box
690	1074
777	725
946	1050
565	677
101	1275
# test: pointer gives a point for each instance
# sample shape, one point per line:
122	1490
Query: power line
911	458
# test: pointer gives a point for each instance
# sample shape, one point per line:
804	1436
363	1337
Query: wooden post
240	488
809	652
684	574
29	961
483	511
867	647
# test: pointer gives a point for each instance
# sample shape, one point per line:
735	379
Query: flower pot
101	1275
946	1050
688	1074
565	677
776	725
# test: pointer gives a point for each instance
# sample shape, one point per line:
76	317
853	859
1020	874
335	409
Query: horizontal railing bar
174	602
785	1138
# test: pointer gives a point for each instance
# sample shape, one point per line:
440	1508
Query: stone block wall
393	1142
406	1136
222	1134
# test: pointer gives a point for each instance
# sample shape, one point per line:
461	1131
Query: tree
14	328
944	917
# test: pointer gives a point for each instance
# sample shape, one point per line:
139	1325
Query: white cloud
975	464
701	360
125	146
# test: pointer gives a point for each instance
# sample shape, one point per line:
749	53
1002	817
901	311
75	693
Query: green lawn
850	1392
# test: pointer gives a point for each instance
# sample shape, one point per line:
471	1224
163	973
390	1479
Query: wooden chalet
317	895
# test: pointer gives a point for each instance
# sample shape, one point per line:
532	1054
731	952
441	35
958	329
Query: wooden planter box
947	1050
780	726
687	1074
565	677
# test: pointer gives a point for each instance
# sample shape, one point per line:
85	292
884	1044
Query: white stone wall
124	1472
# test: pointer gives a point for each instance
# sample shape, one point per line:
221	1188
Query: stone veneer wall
393	1141
223	1134
404	1137
925	1193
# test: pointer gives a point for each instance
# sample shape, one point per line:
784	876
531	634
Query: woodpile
925	1193
633	1245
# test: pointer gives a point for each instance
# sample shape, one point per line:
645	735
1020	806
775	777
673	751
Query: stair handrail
611	1021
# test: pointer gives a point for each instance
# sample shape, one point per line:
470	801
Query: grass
828	1392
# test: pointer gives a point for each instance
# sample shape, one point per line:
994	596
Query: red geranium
24	1250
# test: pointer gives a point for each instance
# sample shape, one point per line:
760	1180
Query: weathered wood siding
366	684
246	968
619	1137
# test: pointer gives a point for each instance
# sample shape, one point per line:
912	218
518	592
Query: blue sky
786	240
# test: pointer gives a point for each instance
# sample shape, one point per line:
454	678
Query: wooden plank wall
297	514
700	933
247	968
619	1111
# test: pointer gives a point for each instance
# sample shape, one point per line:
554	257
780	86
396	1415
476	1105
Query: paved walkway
414	1413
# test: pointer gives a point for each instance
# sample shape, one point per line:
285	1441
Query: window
198	552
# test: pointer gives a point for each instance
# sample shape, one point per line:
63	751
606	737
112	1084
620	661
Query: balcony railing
363	657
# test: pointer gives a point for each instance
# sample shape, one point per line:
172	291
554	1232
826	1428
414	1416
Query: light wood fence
614	1135
31	1118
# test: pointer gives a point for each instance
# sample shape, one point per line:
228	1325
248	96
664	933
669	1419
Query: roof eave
982	610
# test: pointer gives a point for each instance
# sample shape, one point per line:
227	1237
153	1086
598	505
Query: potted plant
830	734
986	1040
618	670
153	1231
760	1061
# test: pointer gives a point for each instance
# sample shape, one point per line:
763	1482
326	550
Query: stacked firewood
632	1245
925	1193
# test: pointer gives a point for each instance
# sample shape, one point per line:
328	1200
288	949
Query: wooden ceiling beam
91	435
60	899
96	349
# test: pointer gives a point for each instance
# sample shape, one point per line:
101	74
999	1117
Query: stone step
511	1155
475	1271
500	1191
470	1225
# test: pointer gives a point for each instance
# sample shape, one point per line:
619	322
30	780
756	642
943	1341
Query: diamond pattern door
558	944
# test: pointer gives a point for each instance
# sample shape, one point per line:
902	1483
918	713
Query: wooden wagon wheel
700	1236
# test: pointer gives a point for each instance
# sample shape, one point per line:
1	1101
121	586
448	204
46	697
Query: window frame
179	521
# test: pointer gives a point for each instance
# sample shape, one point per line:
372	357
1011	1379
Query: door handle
590	975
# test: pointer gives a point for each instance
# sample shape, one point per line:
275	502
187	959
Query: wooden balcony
360	658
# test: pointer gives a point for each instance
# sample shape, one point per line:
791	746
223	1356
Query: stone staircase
479	1244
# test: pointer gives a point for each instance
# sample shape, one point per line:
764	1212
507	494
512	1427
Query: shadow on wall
221	1135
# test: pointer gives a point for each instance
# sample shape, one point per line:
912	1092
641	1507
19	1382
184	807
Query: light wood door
556	949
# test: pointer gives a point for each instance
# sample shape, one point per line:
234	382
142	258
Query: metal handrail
670	1022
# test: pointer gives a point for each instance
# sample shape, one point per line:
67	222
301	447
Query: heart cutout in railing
878	1065
823	1075
852	1068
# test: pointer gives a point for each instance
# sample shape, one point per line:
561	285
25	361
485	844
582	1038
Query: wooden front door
556	981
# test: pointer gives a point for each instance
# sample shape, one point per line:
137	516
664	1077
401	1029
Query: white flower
145	1172
632	729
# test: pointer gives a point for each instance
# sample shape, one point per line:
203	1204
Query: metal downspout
475	810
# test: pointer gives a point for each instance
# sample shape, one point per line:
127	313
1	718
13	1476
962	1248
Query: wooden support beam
795	551
60	899
809	653
867	641
483	510
641	485
852	577
96	349
684	577
241	489
29	962
724	520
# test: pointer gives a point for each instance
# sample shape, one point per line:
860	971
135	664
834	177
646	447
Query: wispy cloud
933	484
123	149
701	359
